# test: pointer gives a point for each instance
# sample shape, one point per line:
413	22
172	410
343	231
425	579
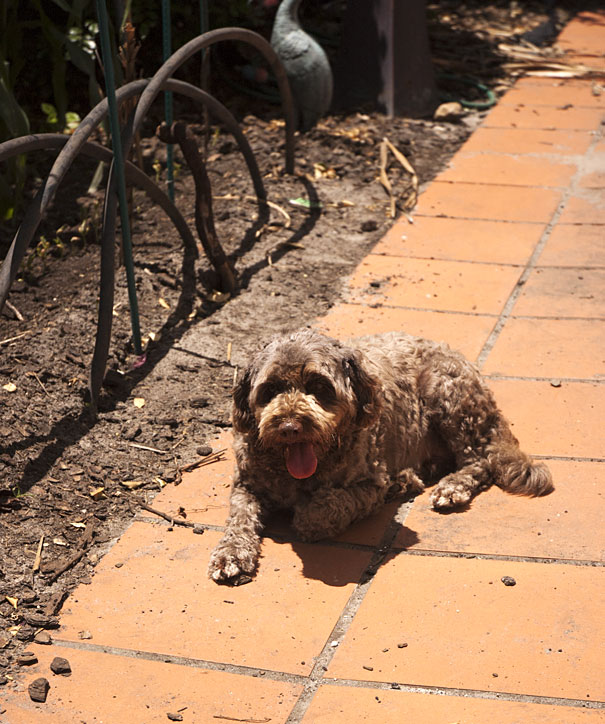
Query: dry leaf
133	484
13	601
9	387
163	303
139	402
59	542
97	493
219	297
78	525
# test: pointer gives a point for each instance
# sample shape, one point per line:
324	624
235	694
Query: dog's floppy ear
243	419
365	387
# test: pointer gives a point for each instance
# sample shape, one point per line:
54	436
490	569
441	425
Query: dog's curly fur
363	416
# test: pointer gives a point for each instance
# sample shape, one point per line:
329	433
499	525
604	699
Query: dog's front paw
451	492
229	560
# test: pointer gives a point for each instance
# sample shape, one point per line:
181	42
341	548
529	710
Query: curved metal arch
54	141
75	143
201	42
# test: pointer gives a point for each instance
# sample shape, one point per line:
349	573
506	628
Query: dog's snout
290	429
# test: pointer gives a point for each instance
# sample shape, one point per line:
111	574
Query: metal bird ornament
306	65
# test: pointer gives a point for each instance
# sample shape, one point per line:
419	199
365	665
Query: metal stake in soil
118	166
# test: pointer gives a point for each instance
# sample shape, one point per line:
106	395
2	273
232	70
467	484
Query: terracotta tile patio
405	617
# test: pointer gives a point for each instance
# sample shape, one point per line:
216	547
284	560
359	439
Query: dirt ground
70	484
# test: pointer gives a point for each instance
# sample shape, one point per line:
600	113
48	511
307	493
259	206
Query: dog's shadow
344	561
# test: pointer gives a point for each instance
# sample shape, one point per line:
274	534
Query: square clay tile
465	629
551	292
476	240
553	92
574	245
549	348
106	687
493	201
334	704
498	168
565	117
466	333
433	284
584	34
565	421
567	523
589	208
204	492
151	593
517	141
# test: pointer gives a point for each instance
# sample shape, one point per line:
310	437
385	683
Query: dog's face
300	395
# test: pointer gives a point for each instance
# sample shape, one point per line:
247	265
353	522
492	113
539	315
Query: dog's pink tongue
300	460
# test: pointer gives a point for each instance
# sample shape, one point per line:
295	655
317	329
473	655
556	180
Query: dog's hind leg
458	488
499	461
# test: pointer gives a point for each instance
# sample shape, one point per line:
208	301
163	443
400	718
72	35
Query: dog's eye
321	389
267	392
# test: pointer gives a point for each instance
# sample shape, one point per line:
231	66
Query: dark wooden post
385	59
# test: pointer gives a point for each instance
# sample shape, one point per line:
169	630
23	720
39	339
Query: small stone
168	475
449	112
401	646
41	620
199	402
3	680
43	638
198	529
38	690
203	450
27	658
25	633
508	581
60	666
132	431
369	225
85	635
368	668
555	383
174	717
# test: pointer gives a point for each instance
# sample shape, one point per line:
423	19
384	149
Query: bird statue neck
287	12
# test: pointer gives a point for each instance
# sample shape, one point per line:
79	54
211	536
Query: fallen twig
248	721
8	340
39	381
214	457
171	519
38	558
83	544
146	447
14	310
273	205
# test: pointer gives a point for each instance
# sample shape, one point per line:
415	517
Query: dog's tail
514	471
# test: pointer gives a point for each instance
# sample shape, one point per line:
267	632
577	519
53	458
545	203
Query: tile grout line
188	661
314	680
463	313
532	262
300	679
466	693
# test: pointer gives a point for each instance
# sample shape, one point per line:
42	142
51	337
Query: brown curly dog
326	429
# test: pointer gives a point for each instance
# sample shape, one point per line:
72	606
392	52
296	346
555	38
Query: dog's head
301	394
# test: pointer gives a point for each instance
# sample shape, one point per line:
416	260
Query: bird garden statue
306	65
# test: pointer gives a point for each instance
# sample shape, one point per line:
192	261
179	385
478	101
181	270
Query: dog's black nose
290	429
